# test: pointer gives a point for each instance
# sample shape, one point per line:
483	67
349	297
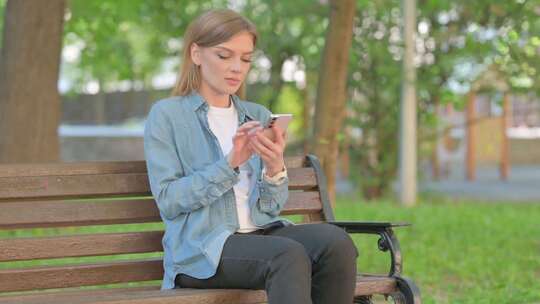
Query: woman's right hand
241	150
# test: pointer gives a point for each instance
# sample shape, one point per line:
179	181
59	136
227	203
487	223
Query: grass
456	251
459	251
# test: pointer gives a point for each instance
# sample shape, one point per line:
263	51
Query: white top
223	123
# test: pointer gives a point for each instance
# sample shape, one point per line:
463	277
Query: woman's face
224	66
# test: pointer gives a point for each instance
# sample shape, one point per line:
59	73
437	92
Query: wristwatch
276	179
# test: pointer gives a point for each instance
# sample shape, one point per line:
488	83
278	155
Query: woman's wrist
271	171
232	162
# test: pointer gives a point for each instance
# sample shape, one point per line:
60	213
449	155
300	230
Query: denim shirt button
214	191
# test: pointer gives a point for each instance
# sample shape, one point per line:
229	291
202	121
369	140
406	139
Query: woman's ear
195	52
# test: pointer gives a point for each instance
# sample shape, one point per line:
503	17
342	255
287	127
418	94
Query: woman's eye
224	57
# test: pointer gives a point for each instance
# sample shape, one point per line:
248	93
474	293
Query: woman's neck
214	99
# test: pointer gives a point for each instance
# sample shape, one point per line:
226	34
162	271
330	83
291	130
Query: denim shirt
192	184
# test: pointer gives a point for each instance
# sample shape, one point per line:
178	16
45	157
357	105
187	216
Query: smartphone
280	120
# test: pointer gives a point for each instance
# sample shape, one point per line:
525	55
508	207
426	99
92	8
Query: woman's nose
236	65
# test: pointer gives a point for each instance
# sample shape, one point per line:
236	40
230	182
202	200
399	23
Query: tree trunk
29	67
308	95
332	93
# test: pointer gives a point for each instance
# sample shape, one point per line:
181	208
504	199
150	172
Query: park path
523	185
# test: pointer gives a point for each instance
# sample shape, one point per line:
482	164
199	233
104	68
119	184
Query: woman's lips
232	81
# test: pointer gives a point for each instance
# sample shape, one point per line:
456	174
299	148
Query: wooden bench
72	194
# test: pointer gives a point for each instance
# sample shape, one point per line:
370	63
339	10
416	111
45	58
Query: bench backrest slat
58	213
80	275
101	167
35	214
80	245
105	185
72	168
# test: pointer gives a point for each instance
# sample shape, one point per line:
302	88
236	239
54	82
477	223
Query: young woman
220	184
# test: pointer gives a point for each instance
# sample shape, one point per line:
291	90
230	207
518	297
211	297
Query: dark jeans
300	264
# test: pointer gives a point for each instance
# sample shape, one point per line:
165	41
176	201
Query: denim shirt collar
198	103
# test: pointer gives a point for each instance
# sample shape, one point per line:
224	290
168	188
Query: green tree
332	88
453	34
287	30
374	84
131	42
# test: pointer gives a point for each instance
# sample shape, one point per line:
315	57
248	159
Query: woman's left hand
270	151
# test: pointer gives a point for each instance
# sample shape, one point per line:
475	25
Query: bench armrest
367	227
387	241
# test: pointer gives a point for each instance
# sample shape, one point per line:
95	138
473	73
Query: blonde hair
209	29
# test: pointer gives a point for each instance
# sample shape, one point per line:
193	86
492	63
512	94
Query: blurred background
77	84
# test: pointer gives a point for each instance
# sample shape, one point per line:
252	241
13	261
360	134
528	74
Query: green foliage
458	252
290	101
452	36
287	30
374	104
126	40
2	17
130	41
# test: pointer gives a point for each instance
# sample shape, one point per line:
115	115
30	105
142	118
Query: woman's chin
231	90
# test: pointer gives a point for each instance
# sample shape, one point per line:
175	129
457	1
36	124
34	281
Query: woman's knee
289	276
291	258
339	241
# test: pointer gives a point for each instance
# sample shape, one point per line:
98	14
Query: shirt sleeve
174	191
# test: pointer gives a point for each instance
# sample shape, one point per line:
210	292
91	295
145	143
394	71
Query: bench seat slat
106	185
365	285
183	296
33	214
